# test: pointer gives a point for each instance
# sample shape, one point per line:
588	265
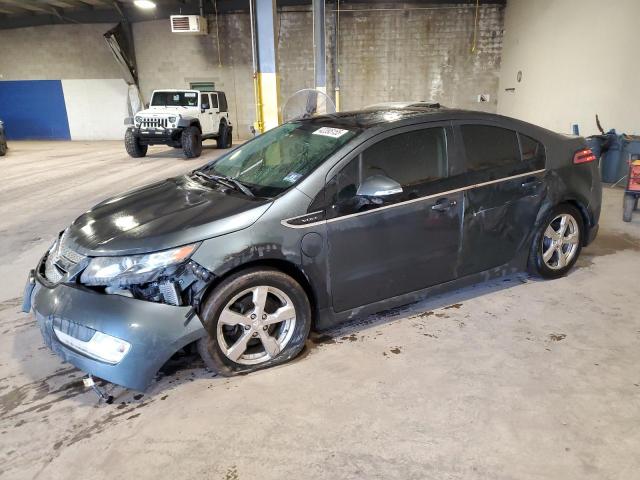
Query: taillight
584	156
634	176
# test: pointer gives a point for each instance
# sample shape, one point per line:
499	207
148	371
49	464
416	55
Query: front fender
185	122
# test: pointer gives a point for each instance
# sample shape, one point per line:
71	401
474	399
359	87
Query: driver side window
396	169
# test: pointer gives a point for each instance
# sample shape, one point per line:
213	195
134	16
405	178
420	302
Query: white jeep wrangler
181	119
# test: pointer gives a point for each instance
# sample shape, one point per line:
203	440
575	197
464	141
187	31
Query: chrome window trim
286	223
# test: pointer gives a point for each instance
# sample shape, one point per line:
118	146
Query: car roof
381	117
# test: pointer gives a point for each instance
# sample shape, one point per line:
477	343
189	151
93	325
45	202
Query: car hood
166	214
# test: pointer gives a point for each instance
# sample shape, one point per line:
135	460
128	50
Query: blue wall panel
34	109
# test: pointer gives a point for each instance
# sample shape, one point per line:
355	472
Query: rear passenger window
532	152
214	100
489	147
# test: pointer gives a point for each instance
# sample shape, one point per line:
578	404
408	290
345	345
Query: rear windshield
281	157
175	99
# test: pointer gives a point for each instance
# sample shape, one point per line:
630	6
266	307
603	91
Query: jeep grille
155	122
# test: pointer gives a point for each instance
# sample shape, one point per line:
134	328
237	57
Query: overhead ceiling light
145	4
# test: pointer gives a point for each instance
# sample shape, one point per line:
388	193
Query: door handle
530	182
210	113
443	205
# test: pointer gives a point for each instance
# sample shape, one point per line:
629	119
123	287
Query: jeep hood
168	110
170	213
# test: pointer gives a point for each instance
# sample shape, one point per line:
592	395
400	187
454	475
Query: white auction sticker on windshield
190	94
293	177
330	132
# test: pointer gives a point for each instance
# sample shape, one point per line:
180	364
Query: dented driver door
402	238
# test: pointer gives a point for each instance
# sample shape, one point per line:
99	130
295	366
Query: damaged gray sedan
304	227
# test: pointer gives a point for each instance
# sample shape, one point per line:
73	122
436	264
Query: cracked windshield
279	158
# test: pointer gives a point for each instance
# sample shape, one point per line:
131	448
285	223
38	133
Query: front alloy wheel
256	325
254	319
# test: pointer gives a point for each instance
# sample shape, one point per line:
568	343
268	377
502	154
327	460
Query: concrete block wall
167	60
419	54
387	52
54	52
94	101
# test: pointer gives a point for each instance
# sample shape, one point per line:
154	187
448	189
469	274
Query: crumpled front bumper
154	330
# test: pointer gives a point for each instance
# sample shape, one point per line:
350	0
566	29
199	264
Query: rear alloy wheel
558	242
254	320
133	146
191	142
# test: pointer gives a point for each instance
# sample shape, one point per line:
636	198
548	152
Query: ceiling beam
28	5
28	13
10	10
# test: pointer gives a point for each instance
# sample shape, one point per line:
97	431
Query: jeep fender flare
185	122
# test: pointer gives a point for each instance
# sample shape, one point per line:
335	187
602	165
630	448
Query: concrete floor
513	379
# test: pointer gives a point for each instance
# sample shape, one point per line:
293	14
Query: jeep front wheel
134	148
191	142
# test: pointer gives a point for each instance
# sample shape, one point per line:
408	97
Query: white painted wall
578	58
96	108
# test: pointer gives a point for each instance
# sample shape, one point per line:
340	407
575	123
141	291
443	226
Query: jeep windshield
278	159
174	99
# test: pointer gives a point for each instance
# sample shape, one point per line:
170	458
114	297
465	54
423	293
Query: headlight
101	346
134	269
138	119
172	119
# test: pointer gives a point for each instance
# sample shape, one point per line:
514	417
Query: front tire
557	242
629	204
133	146
3	149
191	142
254	319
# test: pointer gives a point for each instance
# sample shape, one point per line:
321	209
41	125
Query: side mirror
202	110
146	105
378	186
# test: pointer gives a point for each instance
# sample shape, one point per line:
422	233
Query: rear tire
133	146
629	204
254	319
224	136
191	142
557	243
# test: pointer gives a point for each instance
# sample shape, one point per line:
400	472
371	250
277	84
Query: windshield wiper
226	181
